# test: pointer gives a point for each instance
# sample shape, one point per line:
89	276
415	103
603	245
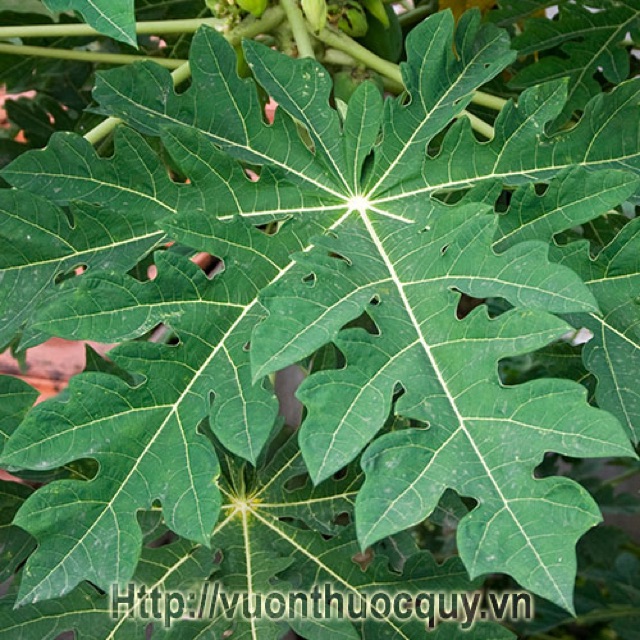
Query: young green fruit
349	16
255	7
316	13
346	82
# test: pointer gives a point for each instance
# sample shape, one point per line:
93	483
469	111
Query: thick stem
163	27
102	130
270	19
341	41
298	28
483	99
84	56
251	27
334	56
158	27
479	125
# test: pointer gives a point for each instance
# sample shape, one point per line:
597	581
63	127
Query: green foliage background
427	254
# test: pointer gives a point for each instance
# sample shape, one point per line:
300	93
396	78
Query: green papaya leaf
318	225
579	43
114	18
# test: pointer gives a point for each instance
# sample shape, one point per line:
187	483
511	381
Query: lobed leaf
374	219
265	545
613	354
581	42
612	276
114	18
54	245
176	567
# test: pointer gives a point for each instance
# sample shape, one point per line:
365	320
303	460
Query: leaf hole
503	201
375	301
341	474
270	110
173	340
466	304
160	333
296	483
211	265
205	261
271	228
444	249
364	558
338	256
85	468
246	346
253	176
310	280
342	519
166	538
67	274
366	322
540	188
433	151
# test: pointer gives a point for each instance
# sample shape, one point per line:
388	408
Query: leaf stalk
298	28
341	41
85	56
479	125
151	27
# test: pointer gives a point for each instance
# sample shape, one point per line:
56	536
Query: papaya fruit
349	16
346	82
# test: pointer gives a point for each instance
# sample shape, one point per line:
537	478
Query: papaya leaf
397	259
613	353
580	43
133	185
114	18
93	238
175	567
15	544
261	544
17	398
264	545
508	12
574	198
335	221
612	275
